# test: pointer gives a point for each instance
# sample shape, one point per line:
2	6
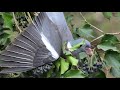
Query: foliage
85	32
68	66
108	15
108	42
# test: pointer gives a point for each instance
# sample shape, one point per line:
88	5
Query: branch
117	33
26	16
91	24
16	23
97	29
36	13
30	17
97	38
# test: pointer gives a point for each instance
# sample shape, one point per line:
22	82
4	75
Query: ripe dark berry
87	68
84	68
95	69
20	24
22	17
100	66
89	72
94	65
84	65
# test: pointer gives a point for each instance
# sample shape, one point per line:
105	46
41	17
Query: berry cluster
42	69
23	23
91	69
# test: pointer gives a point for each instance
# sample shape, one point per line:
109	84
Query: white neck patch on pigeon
49	46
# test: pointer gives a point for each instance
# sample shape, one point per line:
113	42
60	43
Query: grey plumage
58	19
37	46
28	50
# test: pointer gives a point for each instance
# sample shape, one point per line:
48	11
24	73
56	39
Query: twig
36	13
30	17
91	24
97	38
26	16
16	23
117	33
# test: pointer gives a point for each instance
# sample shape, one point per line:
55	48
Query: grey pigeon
38	45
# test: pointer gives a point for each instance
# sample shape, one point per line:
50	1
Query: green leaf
110	39
74	74
4	38
69	18
108	42
49	73
12	34
112	59
64	65
107	15
8	20
85	32
99	74
77	46
82	55
57	64
72	60
107	47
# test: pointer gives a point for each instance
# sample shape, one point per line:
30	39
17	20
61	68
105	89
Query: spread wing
39	44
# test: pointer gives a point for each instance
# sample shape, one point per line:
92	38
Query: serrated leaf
107	15
64	65
74	74
85	32
112	59
108	42
72	60
8	20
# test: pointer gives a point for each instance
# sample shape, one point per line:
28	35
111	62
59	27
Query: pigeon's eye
81	45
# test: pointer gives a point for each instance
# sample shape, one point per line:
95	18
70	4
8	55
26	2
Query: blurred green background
98	20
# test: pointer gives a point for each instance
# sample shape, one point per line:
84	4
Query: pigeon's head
85	46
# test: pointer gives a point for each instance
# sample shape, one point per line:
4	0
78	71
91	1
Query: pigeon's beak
88	51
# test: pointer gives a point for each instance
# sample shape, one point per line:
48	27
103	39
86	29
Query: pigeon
85	47
39	44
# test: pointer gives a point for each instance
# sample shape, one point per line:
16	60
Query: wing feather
28	50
